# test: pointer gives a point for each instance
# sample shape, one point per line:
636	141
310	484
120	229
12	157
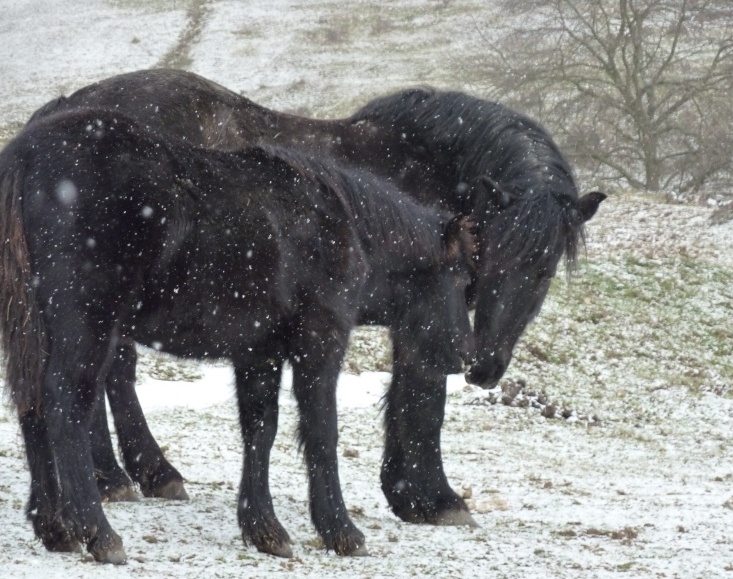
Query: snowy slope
636	482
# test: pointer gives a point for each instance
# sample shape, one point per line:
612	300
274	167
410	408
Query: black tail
21	322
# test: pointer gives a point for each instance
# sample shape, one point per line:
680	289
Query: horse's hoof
454	518
268	536
108	550
55	537
350	545
174	491
360	551
119	494
283	550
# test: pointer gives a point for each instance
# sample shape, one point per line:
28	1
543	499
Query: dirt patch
179	56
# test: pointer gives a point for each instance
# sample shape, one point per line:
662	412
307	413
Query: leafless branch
632	89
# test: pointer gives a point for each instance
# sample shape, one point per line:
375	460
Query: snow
638	481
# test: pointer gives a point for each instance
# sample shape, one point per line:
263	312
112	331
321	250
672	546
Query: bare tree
637	90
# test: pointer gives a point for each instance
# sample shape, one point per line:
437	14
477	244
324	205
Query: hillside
606	451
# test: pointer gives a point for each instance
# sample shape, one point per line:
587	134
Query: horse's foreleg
412	475
315	373
143	458
257	396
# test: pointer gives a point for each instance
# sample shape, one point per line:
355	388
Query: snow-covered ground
632	477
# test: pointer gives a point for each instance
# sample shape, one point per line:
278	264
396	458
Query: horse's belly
375	304
206	330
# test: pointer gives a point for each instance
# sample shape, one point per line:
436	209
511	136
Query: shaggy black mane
380	210
485	138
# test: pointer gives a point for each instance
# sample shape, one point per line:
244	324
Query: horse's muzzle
485	375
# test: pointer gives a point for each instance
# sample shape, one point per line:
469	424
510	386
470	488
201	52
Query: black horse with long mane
478	152
259	256
443	148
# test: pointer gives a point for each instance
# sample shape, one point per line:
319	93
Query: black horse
259	256
481	155
443	148
436	146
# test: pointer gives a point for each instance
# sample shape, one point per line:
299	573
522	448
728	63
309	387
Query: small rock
510	391
351	453
549	411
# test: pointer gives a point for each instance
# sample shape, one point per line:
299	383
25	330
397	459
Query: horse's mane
486	138
390	224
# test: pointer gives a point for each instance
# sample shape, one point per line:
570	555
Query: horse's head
434	330
522	242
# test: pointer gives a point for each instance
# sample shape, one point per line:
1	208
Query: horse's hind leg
413	479
143	459
55	537
257	395
316	366
65	506
113	483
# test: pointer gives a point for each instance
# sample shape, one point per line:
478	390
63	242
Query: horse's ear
460	239
588	204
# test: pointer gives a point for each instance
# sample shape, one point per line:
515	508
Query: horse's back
177	103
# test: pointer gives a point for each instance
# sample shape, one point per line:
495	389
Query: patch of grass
169	368
372	21
666	322
314	543
625	535
370	350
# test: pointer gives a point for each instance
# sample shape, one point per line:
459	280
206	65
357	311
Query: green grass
626	328
619	331
164	367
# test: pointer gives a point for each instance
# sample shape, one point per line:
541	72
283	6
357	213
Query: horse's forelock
535	229
488	139
462	240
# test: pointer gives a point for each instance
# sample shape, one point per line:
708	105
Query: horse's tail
49	108
21	323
